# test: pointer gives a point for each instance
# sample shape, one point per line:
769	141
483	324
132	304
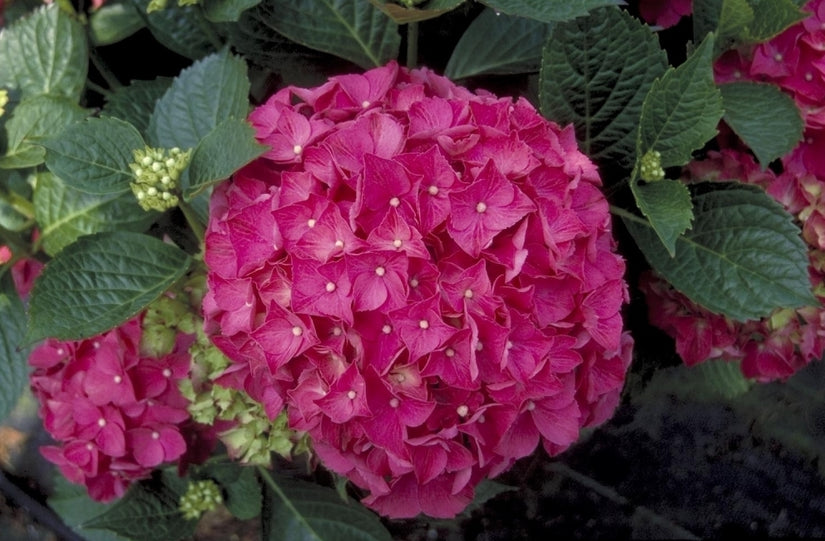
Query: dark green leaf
727	19
226	10
14	369
64	213
668	207
484	492
75	507
136	103
201	97
148	512
764	117
725	377
31	122
114	21
94	155
743	257
227	148
182	29
498	45
45	53
15	196
548	10
771	17
596	72
356	31
241	486
99	282
307	511
682	109
426	10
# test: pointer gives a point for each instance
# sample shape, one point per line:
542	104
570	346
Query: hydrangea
664	13
115	412
424	277
783	342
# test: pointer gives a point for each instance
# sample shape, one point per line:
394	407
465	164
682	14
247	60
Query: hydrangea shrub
424	277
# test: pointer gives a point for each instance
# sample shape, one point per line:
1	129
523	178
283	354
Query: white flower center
394	202
479	346
424	324
339	243
118	379
481	207
449	352
365	104
297	149
468	293
380	271
337	331
311	222
397	243
101	422
778	57
330	287
432	190
351	394
462	410
394	402
386	329
167	373
297	331
155	435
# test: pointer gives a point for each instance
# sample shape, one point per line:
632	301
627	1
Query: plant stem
622	213
99	89
193	221
412	45
104	70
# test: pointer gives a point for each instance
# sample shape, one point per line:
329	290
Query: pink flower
664	13
114	413
430	288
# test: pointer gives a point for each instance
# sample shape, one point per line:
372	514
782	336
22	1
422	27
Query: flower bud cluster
200	497
4	100
156	173
650	168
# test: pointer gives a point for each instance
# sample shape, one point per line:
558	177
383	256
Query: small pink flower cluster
664	13
425	277
115	413
778	345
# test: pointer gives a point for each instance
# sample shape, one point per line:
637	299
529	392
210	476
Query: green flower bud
157	172
4	99
650	168
200	496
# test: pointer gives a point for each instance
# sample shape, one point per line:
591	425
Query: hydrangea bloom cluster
424	277
115	412
778	345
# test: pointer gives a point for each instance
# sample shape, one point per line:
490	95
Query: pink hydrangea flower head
430	286
114	414
781	343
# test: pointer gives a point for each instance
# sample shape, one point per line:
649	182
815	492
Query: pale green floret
4	99
156	172
157	5
200	497
650	168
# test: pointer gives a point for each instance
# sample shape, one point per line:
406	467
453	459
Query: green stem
192	219
104	70
412	45
622	213
99	89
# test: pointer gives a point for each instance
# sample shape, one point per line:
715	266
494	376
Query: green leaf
114	21
771	17
743	258
64	213
201	97
724	377
14	368
148	512
94	155
427	10
227	148
136	103
225	11
682	109
307	511
244	498
596	72
764	117
16	212
356	31
498	45
31	122
46	53
727	19
668	207
99	282
182	29
484	492
548	10
73	504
